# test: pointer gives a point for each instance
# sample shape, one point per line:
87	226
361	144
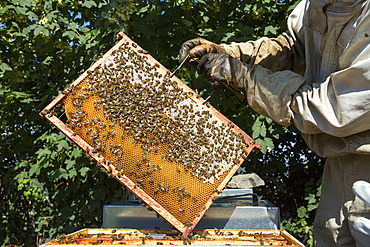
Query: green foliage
48	187
301	225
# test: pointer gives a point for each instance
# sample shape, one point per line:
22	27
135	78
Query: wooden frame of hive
146	195
134	237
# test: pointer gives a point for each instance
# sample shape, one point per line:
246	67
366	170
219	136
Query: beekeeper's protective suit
317	77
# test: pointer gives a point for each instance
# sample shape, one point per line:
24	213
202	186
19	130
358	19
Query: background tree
47	187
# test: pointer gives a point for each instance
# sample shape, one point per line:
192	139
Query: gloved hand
196	48
362	190
223	68
362	225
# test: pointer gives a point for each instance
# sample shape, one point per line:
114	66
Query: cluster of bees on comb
127	99
168	237
154	111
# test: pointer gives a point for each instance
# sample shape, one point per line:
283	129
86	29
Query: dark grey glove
225	69
196	48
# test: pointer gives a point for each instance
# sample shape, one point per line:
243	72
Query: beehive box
133	237
152	133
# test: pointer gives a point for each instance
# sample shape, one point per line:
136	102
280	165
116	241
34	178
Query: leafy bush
47	186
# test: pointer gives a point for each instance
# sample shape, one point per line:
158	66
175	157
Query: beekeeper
317	77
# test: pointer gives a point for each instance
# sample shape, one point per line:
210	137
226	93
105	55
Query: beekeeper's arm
339	106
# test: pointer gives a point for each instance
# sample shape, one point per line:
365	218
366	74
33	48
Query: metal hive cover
152	133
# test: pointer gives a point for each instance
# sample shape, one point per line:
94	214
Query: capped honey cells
151	130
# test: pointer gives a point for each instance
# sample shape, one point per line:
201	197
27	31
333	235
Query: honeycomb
134	237
153	130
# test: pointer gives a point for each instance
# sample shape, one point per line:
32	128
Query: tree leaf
70	34
70	164
5	67
256	131
263	130
270	29
48	6
20	10
302	213
84	170
35	169
76	153
89	4
268	142
58	174
40	29
63	144
43	152
34	182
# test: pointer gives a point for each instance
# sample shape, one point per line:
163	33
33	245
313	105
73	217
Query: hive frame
46	113
220	238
